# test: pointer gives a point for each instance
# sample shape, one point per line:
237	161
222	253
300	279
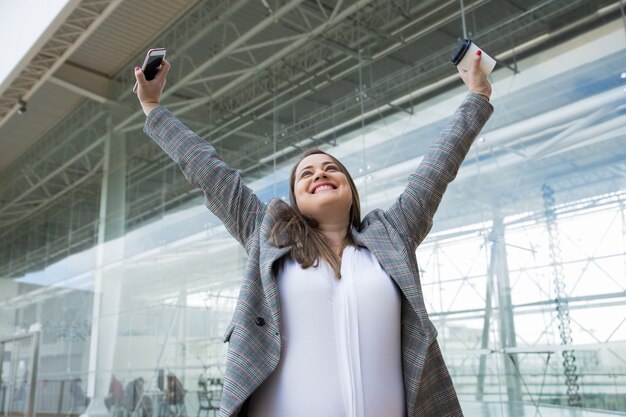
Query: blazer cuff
484	106
154	118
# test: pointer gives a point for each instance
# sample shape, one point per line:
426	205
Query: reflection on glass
209	394
78	399
179	278
136	399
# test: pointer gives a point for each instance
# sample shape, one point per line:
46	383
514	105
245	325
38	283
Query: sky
26	31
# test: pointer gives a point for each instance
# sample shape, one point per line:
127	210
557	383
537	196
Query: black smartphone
151	64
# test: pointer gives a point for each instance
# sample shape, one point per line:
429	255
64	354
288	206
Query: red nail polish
479	52
136	68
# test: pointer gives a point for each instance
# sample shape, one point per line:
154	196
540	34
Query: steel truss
259	77
469	355
81	22
562	307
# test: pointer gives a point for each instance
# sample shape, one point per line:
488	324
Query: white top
341	354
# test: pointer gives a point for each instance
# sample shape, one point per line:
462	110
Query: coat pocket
228	333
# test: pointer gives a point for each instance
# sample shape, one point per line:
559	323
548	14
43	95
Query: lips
323	187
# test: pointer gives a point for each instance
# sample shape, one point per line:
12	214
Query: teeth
322	188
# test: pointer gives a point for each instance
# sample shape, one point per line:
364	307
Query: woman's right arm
225	193
413	211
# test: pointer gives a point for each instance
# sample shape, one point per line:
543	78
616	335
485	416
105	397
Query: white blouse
341	353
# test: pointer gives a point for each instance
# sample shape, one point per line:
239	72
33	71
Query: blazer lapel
391	259
269	254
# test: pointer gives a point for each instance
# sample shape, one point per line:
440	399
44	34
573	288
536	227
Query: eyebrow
311	166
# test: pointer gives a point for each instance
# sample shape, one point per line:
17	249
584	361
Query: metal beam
484	339
83	82
265	23
505	309
52	174
61	46
333	20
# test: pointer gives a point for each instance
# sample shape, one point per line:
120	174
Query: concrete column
107	281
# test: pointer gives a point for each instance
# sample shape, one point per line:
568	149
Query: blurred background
117	284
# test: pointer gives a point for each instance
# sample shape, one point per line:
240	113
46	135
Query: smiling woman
302	341
325	205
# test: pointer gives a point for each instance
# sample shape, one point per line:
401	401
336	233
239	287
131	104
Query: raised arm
225	193
413	211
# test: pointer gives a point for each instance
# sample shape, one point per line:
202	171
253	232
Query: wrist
482	93
485	96
148	107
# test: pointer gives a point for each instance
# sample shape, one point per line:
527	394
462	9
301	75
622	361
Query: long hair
302	232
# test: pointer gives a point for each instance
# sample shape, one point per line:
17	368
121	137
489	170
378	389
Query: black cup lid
460	51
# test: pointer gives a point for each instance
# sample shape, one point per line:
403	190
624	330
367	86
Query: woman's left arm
413	211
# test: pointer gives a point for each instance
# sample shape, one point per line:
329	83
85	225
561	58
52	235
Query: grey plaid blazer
391	235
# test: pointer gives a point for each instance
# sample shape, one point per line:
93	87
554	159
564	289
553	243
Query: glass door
19	357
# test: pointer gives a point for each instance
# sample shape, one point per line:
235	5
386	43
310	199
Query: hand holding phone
151	64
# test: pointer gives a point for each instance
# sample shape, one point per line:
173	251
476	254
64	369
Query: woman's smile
325	186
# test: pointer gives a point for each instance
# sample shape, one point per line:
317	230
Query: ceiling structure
263	80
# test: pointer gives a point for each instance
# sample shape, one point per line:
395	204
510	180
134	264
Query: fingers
162	73
476	61
473	77
140	77
465	74
474	66
159	79
165	68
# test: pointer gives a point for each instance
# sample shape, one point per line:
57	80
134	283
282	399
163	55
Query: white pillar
107	281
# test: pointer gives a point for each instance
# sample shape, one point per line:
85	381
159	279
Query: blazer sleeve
239	209
412	213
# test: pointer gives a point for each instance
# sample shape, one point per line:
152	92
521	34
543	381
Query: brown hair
302	231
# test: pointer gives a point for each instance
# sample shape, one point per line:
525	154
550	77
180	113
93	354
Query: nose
320	173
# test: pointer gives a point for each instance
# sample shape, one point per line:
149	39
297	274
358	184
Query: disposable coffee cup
465	52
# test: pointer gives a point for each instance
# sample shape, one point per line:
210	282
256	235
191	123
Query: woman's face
321	189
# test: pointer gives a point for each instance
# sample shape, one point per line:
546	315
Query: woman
330	319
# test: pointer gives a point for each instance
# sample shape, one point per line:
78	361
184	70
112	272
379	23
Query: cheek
346	186
299	191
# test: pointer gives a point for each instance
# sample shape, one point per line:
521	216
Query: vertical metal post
181	345
3	388
61	398
463	19
562	305
15	353
32	389
484	342
507	324
623	217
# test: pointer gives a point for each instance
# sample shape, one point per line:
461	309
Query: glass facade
523	273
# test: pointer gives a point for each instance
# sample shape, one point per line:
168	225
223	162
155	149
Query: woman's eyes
305	174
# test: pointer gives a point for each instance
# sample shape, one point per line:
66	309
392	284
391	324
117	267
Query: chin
325	211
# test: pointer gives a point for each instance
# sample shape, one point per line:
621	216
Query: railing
539	370
64	397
